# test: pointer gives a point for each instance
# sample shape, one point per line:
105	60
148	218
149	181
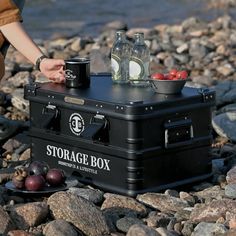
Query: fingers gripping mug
77	72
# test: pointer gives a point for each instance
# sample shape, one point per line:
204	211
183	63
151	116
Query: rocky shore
208	51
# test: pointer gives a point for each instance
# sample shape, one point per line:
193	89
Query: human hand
53	69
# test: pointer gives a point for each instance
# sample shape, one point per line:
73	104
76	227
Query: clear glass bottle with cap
139	61
120	55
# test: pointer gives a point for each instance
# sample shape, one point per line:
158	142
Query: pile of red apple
172	75
37	176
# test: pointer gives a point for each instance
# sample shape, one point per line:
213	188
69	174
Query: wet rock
125	223
212	211
28	215
209	229
92	195
141	230
59	228
78	211
122	205
224	124
163	203
6	223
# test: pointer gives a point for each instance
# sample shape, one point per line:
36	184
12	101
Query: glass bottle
120	55
139	61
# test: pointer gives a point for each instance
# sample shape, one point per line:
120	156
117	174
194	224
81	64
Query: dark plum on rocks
34	182
38	168
55	177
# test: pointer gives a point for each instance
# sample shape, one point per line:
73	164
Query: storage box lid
103	94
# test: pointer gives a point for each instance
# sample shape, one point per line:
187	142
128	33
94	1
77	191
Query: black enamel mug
77	72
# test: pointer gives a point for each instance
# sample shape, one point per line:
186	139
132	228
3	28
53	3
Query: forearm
17	36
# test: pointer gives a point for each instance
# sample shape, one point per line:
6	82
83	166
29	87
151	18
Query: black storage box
121	138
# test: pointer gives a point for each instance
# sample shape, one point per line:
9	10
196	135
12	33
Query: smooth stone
20	79
79	211
123	205
162	202
158	219
183	48
101	62
59	228
197	51
231	176
125	223
19	102
212	211
19	233
225	125
226	69
29	214
141	230
164	232
92	195
187	228
6	223
214	192
230	190
204	228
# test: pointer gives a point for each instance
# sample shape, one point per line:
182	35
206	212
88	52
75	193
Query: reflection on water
43	17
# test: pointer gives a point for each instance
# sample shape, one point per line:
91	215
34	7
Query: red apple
55	177
158	76
173	72
183	74
34	182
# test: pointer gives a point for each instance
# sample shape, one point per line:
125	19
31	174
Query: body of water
42	18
